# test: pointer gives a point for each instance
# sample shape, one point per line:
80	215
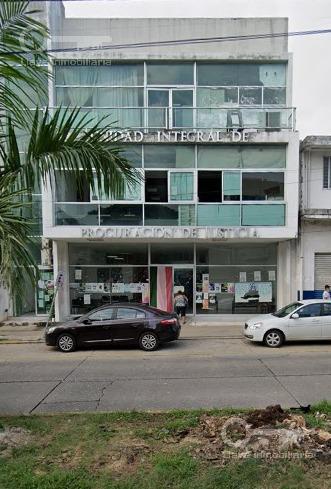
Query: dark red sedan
116	323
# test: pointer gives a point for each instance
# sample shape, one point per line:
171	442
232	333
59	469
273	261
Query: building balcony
151	119
316	214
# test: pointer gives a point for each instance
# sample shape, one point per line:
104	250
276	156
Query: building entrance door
183	280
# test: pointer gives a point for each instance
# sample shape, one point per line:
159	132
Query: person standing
326	293
180	303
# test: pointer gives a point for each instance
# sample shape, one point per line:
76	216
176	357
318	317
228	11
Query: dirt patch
13	437
122	458
269	433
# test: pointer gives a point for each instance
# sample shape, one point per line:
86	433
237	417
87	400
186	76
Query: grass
139	451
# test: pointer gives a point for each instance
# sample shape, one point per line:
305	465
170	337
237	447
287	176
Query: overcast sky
312	60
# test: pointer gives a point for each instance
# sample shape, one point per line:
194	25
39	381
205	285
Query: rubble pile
264	433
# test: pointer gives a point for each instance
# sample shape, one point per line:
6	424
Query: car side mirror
295	316
87	321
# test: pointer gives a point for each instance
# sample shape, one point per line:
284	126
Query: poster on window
253	292
257	276
242	276
205	282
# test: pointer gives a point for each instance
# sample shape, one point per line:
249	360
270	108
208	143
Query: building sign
171	136
148	232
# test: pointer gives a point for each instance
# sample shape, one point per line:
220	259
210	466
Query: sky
311	54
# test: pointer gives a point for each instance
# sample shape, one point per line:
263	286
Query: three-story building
210	126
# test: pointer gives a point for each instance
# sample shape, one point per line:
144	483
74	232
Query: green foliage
63	139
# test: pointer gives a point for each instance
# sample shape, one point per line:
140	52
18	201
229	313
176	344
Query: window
242	74
234	156
156	186
263	215
326	311
132	191
181	186
162	254
231	185
210	186
285	311
105	75
218	215
170	74
310	311
121	215
103	315
169	215
216	97
263	186
168	156
327	172
133	153
129	313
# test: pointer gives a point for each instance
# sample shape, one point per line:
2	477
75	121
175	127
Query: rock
294	421
322	436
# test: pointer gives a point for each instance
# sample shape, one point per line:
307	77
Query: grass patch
139	450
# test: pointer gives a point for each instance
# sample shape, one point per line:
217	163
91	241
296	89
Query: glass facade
185	185
217	278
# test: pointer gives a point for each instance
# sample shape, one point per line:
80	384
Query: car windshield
285	311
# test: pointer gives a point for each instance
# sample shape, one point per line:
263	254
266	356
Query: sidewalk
34	334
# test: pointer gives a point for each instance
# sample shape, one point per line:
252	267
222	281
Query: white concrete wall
99	32
287	273
314	196
316	238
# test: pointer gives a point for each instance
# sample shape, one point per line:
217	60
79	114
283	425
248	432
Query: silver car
301	320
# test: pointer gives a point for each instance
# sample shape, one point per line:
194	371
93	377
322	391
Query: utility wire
178	42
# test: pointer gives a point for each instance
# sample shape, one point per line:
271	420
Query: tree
60	140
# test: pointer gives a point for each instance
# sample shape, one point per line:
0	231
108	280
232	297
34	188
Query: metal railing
266	118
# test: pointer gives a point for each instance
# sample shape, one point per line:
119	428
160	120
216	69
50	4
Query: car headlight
51	329
256	326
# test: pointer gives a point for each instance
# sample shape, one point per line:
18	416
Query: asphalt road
191	373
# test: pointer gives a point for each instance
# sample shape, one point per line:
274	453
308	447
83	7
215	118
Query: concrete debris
265	432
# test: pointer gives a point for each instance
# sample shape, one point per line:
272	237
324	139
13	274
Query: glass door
183	280
182	112
158	103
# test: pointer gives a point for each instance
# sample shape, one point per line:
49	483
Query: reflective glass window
168	156
218	215
263	186
263	215
231	185
170	73
170	253
181	186
94	75
241	74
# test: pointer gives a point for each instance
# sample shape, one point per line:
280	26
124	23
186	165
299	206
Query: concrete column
61	263
287	285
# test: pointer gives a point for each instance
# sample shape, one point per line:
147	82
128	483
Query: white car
301	320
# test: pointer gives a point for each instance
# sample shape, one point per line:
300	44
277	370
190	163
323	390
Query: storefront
217	278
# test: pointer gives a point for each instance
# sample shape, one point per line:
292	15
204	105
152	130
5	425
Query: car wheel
148	341
274	338
66	343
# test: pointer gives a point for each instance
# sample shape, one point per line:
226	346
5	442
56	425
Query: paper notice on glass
78	275
205	304
118	288
217	288
198	298
272	275
231	288
46	298
242	276
257	276
205	282
205	296
41	294
87	299
41	304
41	284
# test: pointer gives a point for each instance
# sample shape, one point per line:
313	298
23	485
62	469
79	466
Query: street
190	373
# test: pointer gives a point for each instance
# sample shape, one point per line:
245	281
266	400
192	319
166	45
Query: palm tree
63	140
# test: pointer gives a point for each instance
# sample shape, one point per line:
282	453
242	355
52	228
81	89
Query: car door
308	326
128	324
326	320
96	327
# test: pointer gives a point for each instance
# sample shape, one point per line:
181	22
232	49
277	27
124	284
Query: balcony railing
194	118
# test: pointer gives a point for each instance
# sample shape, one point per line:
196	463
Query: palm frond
15	257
